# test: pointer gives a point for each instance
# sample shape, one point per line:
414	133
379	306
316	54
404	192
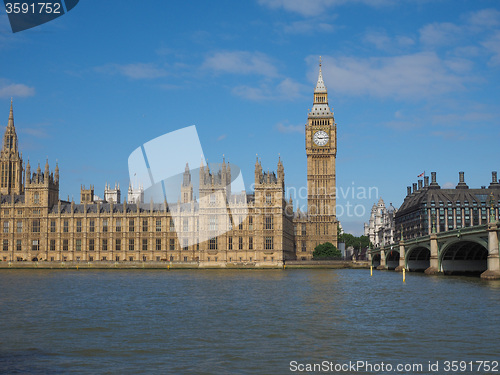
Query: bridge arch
418	258
392	259
376	260
468	256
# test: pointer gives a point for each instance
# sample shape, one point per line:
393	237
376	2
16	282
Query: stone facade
428	208
380	228
212	226
320	221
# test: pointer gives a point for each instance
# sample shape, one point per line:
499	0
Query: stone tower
112	195
42	188
187	186
11	163
321	150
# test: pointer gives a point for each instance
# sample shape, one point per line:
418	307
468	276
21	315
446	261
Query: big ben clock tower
321	150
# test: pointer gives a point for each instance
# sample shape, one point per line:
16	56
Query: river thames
243	321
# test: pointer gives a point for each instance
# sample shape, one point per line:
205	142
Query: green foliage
326	251
357	243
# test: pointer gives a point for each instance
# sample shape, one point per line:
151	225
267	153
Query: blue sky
414	86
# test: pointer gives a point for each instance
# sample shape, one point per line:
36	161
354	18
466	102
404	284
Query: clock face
321	138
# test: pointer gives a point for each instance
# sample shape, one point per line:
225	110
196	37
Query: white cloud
221	137
451	135
440	34
308	26
383	42
16	90
241	62
418	75
37	132
448	185
484	18
492	44
286	89
282	128
309	8
134	71
459	118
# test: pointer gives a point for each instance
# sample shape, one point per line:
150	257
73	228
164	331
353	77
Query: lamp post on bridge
492	209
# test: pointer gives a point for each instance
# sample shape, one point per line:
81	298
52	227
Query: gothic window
269	222
6	226
212	244
5	245
158	225
104	246
240	243
79	226
37	198
118	225
269	243
118	244
65	245
144	244
66	226
145	225
172	244
91	226
185	225
18	245
36	226
131	226
268	198
52	245
131	244
78	244
250	223
105	225
250	243
35	245
91	245
213	223
172	225
230	243
158	244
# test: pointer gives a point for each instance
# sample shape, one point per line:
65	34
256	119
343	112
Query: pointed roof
11	116
320	107
320	85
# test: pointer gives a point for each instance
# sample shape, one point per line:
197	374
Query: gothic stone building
380	228
261	229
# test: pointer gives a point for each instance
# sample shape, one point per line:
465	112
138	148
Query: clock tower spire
321	151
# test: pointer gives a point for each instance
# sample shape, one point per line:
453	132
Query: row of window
212	245
213	225
145	259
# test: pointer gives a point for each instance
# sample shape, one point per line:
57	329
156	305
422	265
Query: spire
320	106
320	85
56	173
47	168
11	115
186	178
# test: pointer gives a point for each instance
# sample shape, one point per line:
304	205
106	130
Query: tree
357	243
326	251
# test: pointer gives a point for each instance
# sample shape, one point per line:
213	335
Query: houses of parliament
36	225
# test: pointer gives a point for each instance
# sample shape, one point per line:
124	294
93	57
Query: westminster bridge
464	250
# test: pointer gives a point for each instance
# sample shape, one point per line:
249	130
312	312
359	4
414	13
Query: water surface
239	321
